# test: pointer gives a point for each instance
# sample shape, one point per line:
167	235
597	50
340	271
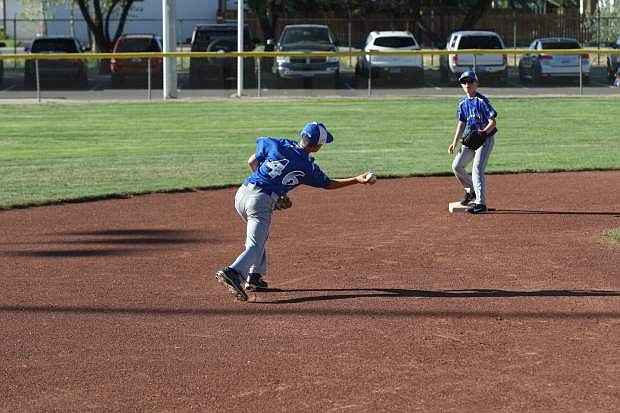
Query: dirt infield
381	301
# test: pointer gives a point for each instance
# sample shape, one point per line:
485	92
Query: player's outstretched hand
451	148
367	178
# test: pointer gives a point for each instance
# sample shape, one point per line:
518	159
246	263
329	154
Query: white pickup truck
486	65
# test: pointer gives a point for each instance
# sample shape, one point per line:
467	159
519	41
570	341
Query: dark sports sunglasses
467	81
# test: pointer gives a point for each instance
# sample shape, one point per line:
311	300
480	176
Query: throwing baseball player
278	166
476	123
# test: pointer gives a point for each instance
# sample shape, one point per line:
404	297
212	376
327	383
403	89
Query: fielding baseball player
476	118
278	166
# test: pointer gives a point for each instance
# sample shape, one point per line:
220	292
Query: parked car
613	61
486	65
409	68
220	37
71	70
307	38
538	64
122	69
2	44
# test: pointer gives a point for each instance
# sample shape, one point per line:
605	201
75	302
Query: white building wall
145	17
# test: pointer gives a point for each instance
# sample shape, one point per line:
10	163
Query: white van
486	65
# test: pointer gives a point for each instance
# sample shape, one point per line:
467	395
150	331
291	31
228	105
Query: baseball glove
283	202
474	139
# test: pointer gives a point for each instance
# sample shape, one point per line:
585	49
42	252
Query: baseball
371	178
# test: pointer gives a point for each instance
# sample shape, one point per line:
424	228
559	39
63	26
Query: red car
136	67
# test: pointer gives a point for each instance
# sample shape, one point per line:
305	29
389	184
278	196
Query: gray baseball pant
477	180
255	207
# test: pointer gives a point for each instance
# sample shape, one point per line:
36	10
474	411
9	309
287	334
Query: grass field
56	152
613	236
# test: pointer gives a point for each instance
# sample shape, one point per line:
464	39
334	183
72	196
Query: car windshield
395	41
138	45
306	35
480	42
54	45
561	45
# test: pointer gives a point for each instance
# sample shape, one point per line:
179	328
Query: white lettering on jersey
292	178
277	167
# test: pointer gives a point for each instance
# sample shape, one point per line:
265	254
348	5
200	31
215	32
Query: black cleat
232	280
468	198
477	209
255	282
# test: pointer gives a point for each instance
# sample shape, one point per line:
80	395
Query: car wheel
536	74
443	74
83	82
361	79
29	82
521	74
418	79
504	77
194	79
279	81
158	82
610	71
336	80
117	80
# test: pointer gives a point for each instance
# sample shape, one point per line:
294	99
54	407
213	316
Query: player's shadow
539	212
105	243
329	294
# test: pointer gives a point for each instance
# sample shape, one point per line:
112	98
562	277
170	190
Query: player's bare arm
367	178
459	130
253	162
490	126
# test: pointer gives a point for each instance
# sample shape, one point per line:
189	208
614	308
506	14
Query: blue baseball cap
470	74
316	133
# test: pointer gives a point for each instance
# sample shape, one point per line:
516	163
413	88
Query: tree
268	13
98	20
603	24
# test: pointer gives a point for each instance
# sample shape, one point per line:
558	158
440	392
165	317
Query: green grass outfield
613	236
55	152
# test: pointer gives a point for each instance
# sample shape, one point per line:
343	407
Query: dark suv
220	37
307	38
70	70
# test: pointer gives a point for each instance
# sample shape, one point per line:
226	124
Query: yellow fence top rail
427	52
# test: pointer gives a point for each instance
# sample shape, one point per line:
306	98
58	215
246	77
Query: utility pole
240	47
169	8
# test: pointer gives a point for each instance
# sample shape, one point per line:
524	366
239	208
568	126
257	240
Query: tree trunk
475	13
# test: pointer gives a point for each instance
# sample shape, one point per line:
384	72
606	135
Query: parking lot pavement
100	88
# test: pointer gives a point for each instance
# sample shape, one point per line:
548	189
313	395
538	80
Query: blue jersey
284	165
475	113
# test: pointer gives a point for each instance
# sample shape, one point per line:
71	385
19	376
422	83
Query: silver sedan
539	65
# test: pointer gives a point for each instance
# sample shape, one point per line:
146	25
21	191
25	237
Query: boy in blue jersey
474	113
278	166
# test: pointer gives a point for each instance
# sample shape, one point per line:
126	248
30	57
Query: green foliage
53	152
613	236
604	22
